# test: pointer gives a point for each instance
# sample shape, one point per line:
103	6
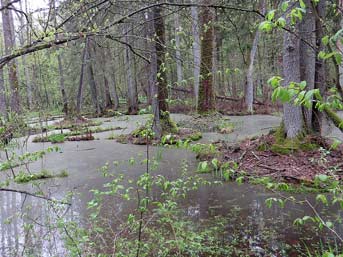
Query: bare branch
33	195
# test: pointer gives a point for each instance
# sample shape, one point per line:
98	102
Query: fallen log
226	98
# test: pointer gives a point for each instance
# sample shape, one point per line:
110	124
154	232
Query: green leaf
329	224
281	22
328	254
266	26
284	6
302	4
270	15
322	177
322	198
325	40
274	81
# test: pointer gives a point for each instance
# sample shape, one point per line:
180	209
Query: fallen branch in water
323	222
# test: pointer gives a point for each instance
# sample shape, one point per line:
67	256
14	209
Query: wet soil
299	166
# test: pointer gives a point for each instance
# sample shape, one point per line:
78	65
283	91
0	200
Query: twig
269	168
258	158
323	222
33	195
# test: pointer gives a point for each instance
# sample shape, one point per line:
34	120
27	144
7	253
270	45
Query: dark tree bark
107	92
162	89
9	41
162	122
319	78
91	78
206	92
80	89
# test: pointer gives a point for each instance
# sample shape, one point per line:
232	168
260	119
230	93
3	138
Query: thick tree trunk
131	85
153	91
319	81
307	56
92	82
196	51
206	94
293	118
80	89
160	55
162	121
9	41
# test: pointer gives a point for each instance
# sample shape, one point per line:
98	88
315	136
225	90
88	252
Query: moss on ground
283	145
24	177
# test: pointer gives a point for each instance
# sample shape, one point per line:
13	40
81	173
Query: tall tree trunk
196	52
131	85
249	91
292	117
60	67
80	89
178	47
9	41
107	92
206	94
113	87
161	81
153	91
3	106
160	52
91	78
319	79
23	33
307	56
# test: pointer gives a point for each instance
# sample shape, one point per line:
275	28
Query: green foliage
24	177
56	138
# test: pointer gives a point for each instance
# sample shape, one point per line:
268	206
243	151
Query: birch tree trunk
196	52
292	115
9	41
206	94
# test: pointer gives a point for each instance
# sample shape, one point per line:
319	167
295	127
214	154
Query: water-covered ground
24	219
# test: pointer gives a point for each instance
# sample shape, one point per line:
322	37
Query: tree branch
33	195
